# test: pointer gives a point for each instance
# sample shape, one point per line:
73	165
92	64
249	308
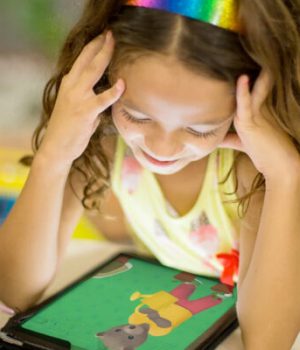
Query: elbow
20	290
20	295
19	301
265	333
251	338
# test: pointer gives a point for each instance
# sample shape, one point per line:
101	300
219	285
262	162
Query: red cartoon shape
131	170
230	261
205	236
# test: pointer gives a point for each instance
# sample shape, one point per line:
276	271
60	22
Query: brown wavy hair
270	39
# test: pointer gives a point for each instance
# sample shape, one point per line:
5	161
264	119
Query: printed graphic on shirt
204	235
191	242
130	175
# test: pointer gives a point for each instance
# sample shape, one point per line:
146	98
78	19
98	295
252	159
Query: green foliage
38	23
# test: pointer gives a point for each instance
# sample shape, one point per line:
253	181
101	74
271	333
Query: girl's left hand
259	134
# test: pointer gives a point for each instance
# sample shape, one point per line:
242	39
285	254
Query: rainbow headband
221	13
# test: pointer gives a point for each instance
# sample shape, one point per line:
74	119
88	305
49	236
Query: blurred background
32	33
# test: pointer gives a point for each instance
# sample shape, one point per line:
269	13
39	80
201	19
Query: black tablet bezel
14	334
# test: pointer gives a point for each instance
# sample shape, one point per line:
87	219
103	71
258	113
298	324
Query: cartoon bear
125	337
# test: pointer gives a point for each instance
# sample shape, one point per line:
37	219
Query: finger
232	141
96	124
109	97
244	103
5	309
261	90
85	57
97	66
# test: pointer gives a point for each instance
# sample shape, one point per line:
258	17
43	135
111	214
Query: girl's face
170	116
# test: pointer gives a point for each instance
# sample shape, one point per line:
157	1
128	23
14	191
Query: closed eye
202	134
133	119
193	132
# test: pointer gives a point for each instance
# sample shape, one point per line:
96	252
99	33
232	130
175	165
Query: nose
164	145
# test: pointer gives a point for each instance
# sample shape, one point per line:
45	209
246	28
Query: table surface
82	255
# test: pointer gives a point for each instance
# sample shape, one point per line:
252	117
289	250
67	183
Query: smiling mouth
158	162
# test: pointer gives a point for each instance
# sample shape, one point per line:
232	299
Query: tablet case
128	303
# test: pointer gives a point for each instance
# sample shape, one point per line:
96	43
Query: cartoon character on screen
160	313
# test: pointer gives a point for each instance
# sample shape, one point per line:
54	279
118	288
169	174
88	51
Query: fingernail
7	310
108	36
119	85
246	79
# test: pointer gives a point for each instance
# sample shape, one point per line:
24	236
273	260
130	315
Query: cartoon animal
157	315
125	337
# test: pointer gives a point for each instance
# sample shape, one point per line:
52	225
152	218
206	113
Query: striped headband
221	13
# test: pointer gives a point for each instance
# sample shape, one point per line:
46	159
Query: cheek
220	137
224	132
207	145
119	123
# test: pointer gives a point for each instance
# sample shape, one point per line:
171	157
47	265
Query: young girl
181	122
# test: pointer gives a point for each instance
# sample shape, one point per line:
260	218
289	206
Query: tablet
128	303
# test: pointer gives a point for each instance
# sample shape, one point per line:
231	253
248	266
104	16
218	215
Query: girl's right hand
75	116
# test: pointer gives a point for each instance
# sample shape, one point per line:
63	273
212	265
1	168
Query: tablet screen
132	303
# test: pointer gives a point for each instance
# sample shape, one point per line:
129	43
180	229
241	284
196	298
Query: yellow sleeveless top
189	242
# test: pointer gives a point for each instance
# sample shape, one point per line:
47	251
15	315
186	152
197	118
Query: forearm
28	238
268	301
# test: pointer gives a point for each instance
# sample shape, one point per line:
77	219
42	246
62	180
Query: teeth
159	160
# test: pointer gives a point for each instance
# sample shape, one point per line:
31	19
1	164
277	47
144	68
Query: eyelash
132	119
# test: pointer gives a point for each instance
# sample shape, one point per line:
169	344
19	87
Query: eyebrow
219	122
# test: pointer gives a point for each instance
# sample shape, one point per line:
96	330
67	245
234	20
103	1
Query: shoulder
249	224
246	173
110	221
107	148
247	177
109	145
